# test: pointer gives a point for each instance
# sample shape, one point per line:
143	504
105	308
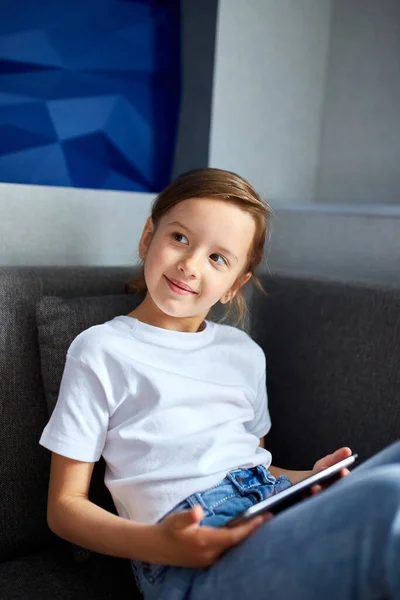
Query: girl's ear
146	238
231	293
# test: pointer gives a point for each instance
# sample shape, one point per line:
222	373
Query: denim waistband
250	486
240	489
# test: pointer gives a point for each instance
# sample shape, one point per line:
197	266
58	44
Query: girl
177	406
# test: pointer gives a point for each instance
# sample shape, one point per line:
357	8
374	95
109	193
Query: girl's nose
190	266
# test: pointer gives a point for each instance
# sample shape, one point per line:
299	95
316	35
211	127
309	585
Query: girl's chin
176	312
170	311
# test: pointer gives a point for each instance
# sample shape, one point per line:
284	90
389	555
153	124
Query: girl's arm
322	463
177	540
294	476
72	516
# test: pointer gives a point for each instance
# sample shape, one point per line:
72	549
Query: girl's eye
179	237
218	259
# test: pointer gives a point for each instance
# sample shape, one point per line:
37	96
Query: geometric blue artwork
89	92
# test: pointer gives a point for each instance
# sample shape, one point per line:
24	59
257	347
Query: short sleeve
78	425
261	423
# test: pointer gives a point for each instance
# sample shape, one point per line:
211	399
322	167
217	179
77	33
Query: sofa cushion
59	321
52	574
24	464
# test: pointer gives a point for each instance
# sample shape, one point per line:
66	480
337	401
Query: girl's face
194	258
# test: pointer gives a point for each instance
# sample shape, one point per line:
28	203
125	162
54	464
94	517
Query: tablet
293	494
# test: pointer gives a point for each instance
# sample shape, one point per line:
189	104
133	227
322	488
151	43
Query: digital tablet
293	494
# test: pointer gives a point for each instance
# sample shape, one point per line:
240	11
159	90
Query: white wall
43	225
268	92
306	98
359	157
352	243
277	64
63	226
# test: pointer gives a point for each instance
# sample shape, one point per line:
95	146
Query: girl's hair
220	185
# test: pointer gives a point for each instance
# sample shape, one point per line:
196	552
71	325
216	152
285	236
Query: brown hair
220	185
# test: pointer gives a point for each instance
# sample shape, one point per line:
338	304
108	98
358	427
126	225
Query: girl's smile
179	287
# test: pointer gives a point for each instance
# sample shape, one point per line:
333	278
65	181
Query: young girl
177	406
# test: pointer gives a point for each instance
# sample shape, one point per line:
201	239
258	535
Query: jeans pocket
153	573
150	571
136	570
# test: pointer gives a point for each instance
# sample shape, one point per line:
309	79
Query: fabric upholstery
333	378
59	321
333	367
52	575
24	465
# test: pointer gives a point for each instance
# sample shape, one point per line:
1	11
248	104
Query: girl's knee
394	451
381	485
393	447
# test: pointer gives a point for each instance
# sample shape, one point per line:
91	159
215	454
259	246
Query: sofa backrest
333	371
24	464
333	367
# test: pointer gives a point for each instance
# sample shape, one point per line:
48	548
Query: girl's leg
343	544
323	546
388	456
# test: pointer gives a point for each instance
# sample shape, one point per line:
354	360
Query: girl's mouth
179	287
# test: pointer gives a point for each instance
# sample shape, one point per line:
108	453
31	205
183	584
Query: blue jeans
342	544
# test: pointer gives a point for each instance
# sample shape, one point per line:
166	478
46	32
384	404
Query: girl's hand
327	461
181	541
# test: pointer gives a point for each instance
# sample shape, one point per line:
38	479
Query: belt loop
197	499
236	480
266	476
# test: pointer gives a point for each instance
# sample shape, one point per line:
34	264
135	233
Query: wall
268	93
352	243
360	136
43	225
60	226
198	46
275	112
306	98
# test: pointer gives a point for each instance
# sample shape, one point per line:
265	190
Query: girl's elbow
53	518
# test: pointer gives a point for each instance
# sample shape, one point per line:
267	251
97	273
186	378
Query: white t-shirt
171	412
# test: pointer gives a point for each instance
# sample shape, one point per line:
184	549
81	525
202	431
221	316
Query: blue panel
15	66
118	182
41	165
101	76
133	136
76	117
83	168
32	117
14	100
97	147
117	161
52	168
14	139
30	47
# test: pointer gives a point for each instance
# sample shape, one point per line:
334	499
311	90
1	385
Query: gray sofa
333	379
